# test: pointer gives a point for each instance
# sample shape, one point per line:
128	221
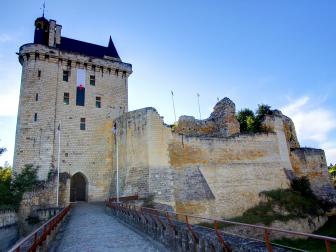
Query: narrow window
65	75
35	117
66	99
98	102
92	80
80	90
39	74
82	124
36	97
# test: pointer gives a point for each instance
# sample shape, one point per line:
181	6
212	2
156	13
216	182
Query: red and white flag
81	78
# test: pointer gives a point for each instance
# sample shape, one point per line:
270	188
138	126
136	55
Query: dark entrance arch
78	187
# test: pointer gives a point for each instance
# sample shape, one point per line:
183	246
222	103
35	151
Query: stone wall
219	177
312	164
87	151
41	197
221	123
8	218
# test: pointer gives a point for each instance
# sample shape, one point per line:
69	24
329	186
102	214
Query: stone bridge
120	227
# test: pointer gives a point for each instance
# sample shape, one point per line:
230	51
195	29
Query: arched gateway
78	187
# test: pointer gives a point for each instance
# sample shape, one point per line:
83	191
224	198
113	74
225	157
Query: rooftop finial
43	8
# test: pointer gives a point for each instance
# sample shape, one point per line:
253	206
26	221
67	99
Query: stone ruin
221	123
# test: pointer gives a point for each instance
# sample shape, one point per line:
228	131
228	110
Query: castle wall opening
78	187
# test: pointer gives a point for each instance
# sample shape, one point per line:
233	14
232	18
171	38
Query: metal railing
35	239
185	218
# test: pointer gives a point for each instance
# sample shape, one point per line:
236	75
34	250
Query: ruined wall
87	151
232	172
312	163
208	176
221	123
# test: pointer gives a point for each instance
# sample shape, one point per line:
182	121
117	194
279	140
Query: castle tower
82	87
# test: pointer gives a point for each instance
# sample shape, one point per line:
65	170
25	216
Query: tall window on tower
82	124
66	76
98	102
80	92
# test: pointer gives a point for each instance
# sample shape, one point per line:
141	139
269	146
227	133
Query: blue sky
281	53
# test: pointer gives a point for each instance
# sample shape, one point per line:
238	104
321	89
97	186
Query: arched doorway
78	187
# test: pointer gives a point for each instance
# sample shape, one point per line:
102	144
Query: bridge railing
124	199
173	218
36	239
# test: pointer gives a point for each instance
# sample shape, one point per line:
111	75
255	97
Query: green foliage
5	183
263	110
51	174
246	119
2	150
332	170
314	245
252	123
12	186
302	185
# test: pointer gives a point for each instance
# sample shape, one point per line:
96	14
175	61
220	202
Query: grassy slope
328	229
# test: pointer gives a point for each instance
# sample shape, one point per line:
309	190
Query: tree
5	183
252	122
12	187
332	171
2	150
263	109
246	119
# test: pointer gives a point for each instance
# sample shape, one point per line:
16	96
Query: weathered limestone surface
312	164
304	225
42	90
201	173
221	123
209	176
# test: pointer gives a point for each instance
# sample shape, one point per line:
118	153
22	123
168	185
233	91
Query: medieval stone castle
207	167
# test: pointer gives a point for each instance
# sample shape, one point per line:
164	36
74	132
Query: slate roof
76	46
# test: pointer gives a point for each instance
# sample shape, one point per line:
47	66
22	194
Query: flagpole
172	94
58	161
117	170
117	159
199	107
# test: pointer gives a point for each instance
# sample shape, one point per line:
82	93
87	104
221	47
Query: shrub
13	187
302	185
298	201
252	123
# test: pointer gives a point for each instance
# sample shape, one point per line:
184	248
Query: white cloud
313	122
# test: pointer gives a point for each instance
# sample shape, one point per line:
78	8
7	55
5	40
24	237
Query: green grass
292	203
298	201
314	245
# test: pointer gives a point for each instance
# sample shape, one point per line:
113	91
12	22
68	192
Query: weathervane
43	8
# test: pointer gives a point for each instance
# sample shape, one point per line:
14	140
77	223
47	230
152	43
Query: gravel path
90	228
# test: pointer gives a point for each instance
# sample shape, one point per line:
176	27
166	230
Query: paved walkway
90	228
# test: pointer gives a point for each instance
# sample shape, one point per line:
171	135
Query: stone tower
80	86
